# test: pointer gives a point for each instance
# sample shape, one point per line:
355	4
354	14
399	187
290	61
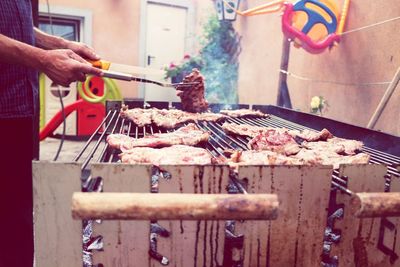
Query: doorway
166	31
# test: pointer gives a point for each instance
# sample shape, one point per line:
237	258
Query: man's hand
64	66
83	50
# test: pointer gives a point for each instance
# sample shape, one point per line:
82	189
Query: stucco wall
116	30
368	56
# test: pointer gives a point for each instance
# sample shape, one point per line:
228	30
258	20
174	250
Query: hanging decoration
314	25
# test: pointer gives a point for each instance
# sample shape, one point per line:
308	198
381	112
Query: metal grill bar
92	136
91	153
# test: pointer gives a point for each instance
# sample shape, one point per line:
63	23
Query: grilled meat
276	141
115	140
166	118
320	157
179	154
241	113
351	147
139	116
193	98
243	129
312	136
171	118
252	157
189	135
252	131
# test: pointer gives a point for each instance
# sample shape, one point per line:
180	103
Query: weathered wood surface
359	239
193	243
126	243
58	238
370	205
296	237
167	206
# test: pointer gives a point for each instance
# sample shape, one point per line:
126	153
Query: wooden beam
372	205
385	99
144	206
283	90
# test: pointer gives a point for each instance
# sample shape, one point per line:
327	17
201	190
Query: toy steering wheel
301	36
311	24
314	17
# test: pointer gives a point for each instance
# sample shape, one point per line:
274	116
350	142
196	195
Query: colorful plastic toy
311	24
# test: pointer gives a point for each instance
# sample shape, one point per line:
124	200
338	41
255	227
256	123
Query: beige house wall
367	56
116	30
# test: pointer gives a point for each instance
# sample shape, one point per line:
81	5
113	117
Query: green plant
219	53
318	104
184	67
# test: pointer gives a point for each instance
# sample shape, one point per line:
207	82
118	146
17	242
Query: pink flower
172	65
187	56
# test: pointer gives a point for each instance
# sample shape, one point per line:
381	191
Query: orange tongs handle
101	64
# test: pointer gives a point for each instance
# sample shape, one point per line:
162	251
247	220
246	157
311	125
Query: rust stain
195	184
214	181
211	244
209	184
201	176
272	180
196	244
360	249
220	180
296	254
180	180
205	245
119	233
216	245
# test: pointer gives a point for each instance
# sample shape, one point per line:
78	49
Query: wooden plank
126	243
58	238
296	237
358	244
193	243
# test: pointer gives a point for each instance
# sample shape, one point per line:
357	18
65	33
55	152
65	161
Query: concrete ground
49	147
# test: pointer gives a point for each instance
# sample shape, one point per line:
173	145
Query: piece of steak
189	135
139	116
174	155
192	98
276	141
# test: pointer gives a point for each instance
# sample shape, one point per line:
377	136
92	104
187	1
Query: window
62	27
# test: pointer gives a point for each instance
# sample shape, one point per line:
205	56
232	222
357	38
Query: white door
165	42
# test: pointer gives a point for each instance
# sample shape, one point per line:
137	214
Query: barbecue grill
316	219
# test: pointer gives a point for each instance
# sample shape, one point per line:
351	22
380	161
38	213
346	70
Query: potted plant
178	71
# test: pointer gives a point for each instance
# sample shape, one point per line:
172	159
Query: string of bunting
331	82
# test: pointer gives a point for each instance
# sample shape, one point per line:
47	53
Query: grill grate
96	147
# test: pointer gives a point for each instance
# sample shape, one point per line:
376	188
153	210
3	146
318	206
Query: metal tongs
129	77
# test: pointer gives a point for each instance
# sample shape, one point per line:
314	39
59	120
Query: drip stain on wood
211	243
298	219
360	248
196	243
205	245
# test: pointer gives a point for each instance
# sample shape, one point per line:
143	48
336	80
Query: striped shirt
18	84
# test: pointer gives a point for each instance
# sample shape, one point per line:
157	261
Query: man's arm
63	66
48	42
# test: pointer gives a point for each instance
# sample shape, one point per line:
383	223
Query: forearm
15	52
48	42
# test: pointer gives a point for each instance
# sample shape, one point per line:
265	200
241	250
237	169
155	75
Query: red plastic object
53	124
89	118
307	43
91	115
